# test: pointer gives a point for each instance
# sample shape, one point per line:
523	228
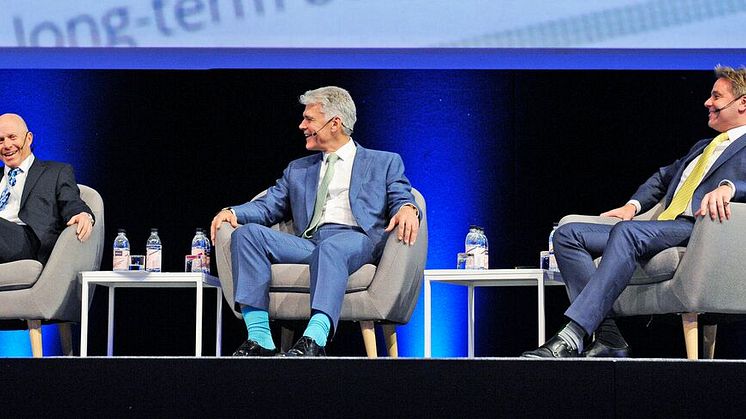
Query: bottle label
121	260
153	260
481	260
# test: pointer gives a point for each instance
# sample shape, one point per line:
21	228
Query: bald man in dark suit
37	198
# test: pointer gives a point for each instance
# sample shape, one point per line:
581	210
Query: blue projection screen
374	24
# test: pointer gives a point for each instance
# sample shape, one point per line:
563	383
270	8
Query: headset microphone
717	110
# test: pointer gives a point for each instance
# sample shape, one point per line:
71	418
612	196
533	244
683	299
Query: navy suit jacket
378	189
730	165
50	198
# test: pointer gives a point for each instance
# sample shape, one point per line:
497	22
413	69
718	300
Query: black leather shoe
599	350
251	348
556	347
306	347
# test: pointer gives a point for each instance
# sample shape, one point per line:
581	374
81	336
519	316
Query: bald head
15	140
16	119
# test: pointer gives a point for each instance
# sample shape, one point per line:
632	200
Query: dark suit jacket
378	188
731	165
50	198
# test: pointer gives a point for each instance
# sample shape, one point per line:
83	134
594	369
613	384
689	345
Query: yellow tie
684	195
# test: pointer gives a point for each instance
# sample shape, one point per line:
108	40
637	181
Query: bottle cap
121	230
153	230
474	226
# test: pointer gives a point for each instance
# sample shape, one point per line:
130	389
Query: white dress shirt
10	212
337	209
733	134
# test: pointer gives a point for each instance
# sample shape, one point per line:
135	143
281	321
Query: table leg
218	321
198	326
542	325
110	324
471	321
428	337
84	320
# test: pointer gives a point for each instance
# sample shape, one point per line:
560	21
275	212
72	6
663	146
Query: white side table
143	279
472	278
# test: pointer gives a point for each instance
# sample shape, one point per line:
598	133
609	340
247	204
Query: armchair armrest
711	275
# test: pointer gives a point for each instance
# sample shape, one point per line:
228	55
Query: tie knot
332	158
720	138
12	175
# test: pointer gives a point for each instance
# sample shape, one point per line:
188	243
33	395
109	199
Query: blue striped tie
5	196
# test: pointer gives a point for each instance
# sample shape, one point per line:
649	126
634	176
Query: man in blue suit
343	202
700	184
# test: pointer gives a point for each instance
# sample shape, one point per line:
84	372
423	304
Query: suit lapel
34	173
359	169
312	184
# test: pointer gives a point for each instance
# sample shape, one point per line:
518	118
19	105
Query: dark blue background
512	150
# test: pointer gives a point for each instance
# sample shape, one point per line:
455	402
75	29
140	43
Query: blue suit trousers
593	290
333	253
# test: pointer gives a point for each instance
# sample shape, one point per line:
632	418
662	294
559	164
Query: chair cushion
19	274
288	277
659	268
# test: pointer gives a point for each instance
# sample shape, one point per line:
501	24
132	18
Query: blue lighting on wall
444	122
51	102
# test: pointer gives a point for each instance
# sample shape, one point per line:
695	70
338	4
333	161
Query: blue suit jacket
731	165
378	188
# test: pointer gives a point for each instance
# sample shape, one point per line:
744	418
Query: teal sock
318	328
257	324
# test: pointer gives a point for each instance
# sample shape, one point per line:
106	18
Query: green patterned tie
684	195
318	207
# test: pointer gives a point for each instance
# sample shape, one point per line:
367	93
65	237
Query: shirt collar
735	133
25	165
346	152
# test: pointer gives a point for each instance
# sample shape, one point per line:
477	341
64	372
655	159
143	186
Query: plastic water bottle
153	252
201	246
552	258
121	260
476	245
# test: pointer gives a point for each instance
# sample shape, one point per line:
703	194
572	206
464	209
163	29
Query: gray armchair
704	277
34	292
386	293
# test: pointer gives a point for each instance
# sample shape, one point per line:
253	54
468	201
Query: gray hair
334	101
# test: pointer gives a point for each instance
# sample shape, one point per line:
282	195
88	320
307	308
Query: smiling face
321	134
15	140
726	111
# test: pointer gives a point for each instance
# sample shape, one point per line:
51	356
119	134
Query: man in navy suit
700	184
37	198
343	202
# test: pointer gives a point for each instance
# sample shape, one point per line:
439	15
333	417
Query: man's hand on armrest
226	214
408	222
84	226
625	212
716	203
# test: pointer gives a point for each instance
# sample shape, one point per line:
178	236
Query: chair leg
286	339
689	321
389	333
34	332
709	333
369	338
66	338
